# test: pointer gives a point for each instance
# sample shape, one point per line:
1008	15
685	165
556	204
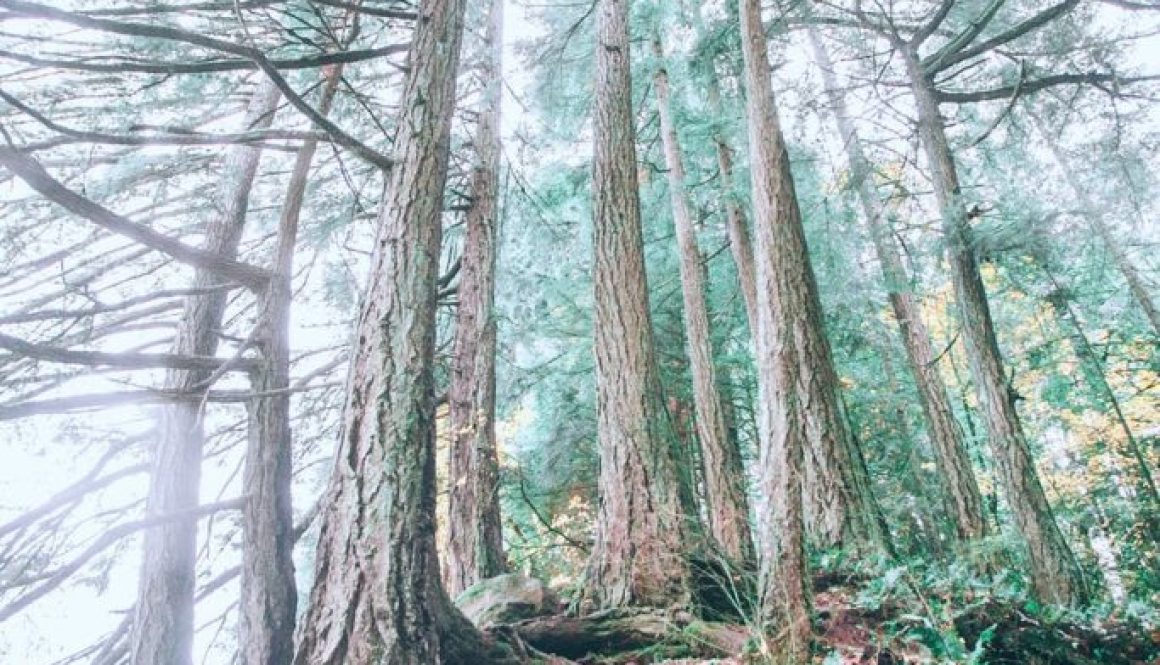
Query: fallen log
601	633
634	634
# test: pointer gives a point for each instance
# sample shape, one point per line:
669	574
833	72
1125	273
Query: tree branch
123	360
63	405
34	175
209	66
934	62
1028	87
339	136
932	26
106	540
1018	30
102	308
190	138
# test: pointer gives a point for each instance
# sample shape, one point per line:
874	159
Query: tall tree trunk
638	555
740	245
954	465
377	595
162	632
839	506
728	509
269	594
782	429
1055	573
475	544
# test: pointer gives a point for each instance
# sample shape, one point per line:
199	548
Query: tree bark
725	491
782	430
475	543
1055	573
162	632
954	465
377	595
269	596
839	507
638	554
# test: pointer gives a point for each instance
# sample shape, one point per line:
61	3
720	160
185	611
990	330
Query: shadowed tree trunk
638	555
377	595
1055	573
931	503
475	543
728	504
954	465
162	632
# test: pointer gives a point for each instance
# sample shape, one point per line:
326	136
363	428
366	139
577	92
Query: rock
507	599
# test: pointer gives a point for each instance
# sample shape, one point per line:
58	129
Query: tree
955	469
728	504
377	594
1056	574
839	504
475	543
638	554
163	624
783	430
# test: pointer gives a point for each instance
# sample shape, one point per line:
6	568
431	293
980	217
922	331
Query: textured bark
475	543
269	597
961	486
839	507
782	430
740	245
162	632
377	595
1055	573
638	551
725	492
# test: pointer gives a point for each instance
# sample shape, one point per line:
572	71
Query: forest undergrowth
911	612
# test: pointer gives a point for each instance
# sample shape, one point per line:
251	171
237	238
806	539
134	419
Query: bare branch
1027	87
124	360
1018	30
34	175
934	62
339	136
932	26
102	308
190	138
106	540
208	66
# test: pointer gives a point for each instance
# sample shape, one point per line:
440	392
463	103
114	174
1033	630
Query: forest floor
855	624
